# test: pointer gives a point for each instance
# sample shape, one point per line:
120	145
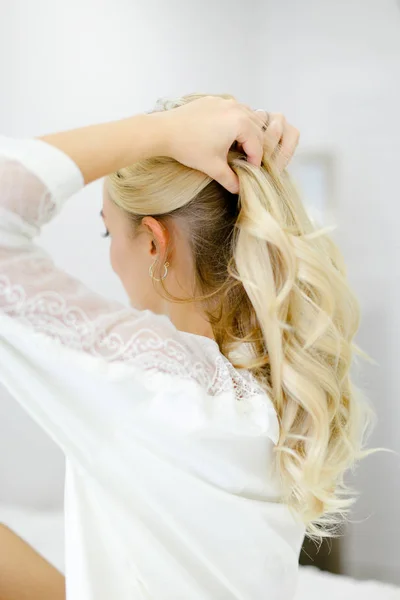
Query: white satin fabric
170	489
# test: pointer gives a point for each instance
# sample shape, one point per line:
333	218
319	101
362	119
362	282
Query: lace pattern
48	312
44	298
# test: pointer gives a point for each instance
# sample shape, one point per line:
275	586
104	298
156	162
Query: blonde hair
268	278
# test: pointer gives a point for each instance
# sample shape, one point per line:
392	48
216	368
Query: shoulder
192	366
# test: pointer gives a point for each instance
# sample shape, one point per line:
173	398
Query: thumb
223	174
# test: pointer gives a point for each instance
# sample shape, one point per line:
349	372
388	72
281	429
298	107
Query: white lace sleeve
35	180
58	339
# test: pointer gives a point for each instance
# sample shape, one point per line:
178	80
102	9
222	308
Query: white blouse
170	489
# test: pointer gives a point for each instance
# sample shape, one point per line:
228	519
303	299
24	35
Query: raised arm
38	176
198	134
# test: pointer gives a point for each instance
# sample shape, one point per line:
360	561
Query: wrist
162	133
153	133
102	149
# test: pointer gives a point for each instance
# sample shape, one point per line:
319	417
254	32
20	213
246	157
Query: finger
272	136
258	117
223	174
287	147
253	145
262	116
252	142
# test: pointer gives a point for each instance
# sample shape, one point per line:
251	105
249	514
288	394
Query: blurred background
333	68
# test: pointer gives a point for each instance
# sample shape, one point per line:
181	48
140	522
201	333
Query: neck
190	318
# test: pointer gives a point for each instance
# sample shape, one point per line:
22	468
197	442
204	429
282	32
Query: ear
159	237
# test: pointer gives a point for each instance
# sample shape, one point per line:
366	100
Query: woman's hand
280	140
200	134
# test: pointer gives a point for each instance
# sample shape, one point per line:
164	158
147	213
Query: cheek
118	257
114	256
124	262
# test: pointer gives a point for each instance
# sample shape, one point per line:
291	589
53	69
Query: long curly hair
269	279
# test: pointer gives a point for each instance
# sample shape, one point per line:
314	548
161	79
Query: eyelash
106	234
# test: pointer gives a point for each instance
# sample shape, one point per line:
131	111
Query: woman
207	426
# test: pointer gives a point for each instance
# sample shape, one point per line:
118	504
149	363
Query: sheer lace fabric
52	302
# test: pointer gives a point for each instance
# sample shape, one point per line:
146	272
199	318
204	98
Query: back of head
269	280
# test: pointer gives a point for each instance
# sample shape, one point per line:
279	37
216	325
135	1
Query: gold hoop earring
163	276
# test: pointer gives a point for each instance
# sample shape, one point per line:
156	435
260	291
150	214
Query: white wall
334	69
66	64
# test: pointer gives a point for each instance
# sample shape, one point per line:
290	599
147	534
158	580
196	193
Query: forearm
102	149
24	574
